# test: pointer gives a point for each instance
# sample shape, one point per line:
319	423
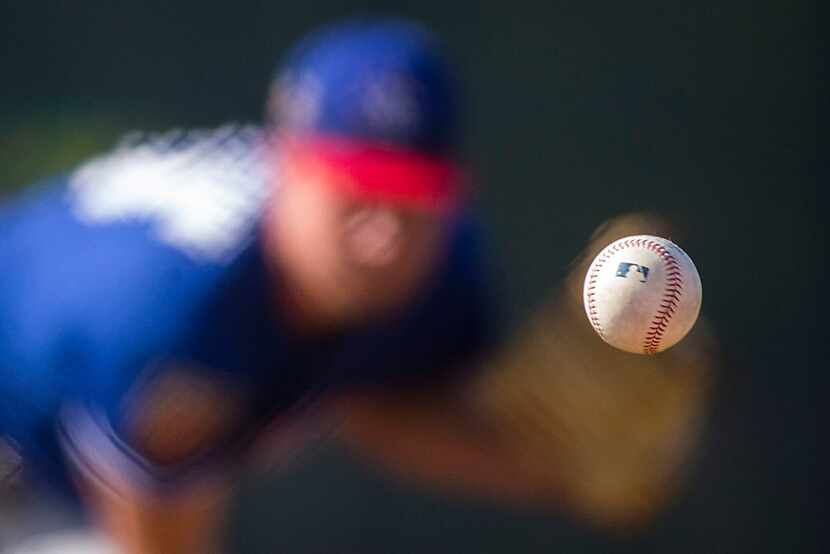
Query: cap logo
390	105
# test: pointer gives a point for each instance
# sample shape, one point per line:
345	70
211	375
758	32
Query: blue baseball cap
375	101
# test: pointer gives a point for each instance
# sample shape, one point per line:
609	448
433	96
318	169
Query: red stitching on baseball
671	297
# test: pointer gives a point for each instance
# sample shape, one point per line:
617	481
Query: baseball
642	294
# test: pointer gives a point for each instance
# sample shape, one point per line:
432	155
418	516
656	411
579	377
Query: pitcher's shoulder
137	236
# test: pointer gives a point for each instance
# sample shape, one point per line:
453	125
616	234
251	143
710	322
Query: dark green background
577	111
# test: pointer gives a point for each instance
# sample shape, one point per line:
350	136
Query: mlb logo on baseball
624	268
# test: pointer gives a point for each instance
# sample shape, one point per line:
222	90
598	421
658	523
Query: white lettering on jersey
201	191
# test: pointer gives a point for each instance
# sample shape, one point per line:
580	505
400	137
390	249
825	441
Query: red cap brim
380	172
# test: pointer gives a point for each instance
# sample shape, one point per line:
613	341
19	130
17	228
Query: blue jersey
136	330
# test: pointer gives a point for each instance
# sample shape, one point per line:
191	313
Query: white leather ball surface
642	294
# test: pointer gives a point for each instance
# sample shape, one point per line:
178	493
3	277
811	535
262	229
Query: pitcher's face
350	258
